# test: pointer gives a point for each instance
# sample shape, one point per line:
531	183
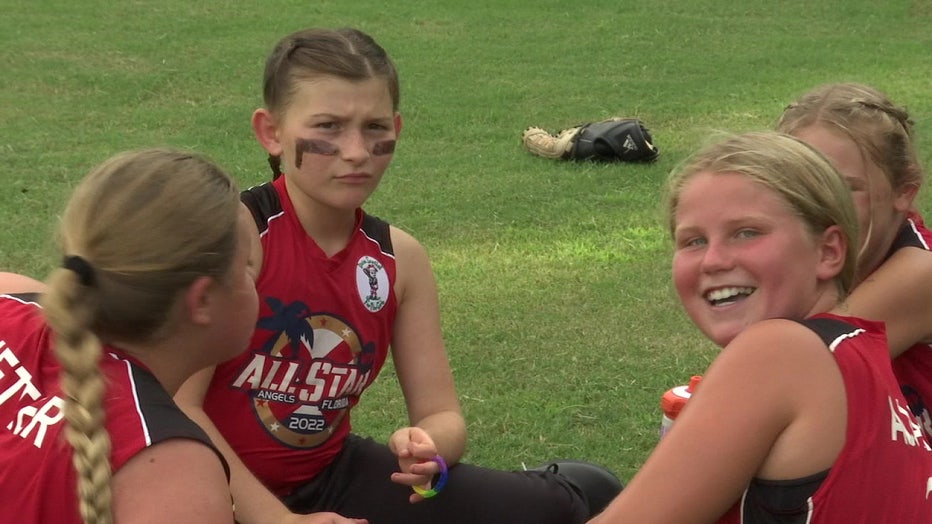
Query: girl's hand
414	449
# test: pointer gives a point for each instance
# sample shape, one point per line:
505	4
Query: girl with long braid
153	287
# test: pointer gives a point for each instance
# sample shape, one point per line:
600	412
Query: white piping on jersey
142	418
268	223
376	242
21	301
841	338
912	225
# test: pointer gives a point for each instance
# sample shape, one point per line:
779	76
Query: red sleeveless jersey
914	367
324	328
38	483
884	470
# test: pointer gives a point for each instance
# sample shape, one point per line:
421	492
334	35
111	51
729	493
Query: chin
721	335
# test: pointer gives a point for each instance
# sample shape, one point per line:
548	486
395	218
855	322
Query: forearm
254	503
448	431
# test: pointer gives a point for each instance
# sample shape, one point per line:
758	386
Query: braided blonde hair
882	130
141	226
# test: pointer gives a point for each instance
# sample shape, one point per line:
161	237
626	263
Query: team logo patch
307	376
371	283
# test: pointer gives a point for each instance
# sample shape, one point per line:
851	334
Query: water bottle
673	401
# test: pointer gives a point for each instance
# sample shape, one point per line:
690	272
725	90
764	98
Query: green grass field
559	315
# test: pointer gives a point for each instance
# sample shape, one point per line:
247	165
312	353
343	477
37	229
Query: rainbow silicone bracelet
441	482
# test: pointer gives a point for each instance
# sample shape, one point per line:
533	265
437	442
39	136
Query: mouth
354	177
724	296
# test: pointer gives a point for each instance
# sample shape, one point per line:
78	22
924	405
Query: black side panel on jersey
263	203
25	297
905	237
828	329
378	230
164	419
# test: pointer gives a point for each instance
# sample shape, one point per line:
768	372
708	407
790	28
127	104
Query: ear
833	249
397	124
903	201
197	300
266	130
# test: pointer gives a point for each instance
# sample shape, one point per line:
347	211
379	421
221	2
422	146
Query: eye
326	125
747	233
378	126
689	242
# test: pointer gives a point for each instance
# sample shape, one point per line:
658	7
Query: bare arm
255	504
15	283
899	293
770	405
179	481
419	354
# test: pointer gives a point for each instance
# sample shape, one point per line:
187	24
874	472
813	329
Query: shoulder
263	203
256	254
378	231
195	487
913	233
776	335
138	402
186	453
404	239
776	347
787	366
21	319
912	261
407	249
415	281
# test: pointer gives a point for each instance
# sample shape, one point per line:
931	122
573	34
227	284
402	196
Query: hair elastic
441	482
80	266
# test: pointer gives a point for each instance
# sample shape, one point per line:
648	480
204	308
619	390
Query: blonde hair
799	174
143	225
882	130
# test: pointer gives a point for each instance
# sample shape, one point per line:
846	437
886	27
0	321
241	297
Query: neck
329	227
169	360
827	300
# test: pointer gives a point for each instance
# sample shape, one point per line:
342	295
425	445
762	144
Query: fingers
412	443
323	518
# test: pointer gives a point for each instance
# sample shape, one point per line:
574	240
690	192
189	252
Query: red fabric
37	480
882	472
322	337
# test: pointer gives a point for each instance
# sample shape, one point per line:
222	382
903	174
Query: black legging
357	484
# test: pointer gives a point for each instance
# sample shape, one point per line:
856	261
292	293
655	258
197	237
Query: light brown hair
345	53
146	224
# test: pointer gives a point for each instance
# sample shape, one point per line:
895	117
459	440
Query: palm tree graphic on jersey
290	320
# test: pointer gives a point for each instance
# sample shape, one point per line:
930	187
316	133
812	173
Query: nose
355	148
717	256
